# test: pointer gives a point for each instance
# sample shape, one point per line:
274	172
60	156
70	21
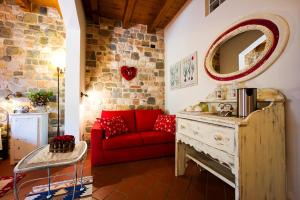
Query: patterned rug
7	183
63	190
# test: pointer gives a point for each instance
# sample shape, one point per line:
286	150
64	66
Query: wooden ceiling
154	13
29	5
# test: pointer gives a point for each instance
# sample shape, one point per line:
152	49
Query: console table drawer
219	137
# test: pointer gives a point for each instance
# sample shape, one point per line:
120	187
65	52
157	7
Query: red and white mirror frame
273	26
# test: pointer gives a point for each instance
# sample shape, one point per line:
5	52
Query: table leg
15	186
49	196
180	158
75	181
81	174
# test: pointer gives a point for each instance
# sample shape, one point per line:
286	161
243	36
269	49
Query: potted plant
40	99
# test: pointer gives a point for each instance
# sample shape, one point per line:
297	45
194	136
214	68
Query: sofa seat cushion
123	141
156	137
127	115
145	119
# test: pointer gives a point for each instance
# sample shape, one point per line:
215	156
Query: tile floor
154	179
142	180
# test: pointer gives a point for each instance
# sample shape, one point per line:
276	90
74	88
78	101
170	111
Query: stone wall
26	42
109	47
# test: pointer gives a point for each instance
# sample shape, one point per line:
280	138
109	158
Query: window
211	5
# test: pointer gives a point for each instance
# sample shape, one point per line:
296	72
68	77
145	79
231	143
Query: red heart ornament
128	73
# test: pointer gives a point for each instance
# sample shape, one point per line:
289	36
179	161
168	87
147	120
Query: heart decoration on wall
128	73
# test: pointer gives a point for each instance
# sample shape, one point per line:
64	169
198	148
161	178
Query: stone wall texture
109	47
26	42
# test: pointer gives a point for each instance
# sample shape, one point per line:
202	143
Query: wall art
175	76
189	71
128	73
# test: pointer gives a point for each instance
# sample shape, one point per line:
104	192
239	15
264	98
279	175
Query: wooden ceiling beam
129	9
160	16
25	4
94	6
32	5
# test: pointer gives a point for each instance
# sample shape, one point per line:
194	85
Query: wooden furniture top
263	95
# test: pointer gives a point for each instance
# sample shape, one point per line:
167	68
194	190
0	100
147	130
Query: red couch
141	142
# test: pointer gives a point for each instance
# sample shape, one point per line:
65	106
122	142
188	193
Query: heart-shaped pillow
128	73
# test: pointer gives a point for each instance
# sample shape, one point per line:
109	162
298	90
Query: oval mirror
247	48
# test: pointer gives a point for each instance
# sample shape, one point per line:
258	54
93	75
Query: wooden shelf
211	165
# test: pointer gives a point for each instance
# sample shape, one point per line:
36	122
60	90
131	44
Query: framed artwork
189	71
175	76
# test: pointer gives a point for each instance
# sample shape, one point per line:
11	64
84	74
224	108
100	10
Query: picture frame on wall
189	71
175	76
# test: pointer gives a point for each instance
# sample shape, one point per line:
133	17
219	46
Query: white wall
191	31
74	20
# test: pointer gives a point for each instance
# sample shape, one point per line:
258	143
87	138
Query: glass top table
41	158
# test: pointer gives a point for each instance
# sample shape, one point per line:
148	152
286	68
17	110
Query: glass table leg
15	187
49	196
81	177
75	179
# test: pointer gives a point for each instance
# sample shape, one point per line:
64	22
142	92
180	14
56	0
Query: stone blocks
108	48
26	42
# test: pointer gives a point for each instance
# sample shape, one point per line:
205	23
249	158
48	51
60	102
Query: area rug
63	190
7	183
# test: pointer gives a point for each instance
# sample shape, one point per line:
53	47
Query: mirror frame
276	30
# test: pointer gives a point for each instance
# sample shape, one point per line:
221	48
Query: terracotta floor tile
152	179
137	193
103	192
124	187
158	192
116	196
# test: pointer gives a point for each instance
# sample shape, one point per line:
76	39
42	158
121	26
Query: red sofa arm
96	143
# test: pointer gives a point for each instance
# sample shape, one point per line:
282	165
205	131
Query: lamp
59	61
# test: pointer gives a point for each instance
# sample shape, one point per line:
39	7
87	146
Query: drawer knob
218	137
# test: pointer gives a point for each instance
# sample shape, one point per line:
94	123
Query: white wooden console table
247	153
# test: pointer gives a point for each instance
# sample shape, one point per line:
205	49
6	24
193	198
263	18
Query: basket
62	144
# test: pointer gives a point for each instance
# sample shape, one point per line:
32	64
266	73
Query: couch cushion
165	123
128	116
113	126
145	119
156	137
123	141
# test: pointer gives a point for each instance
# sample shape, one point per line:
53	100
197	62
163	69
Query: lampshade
59	58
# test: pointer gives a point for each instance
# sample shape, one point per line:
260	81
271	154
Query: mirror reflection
240	52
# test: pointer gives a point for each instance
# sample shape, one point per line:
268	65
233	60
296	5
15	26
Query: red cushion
113	126
165	123
156	137
128	116
145	119
123	141
120	124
